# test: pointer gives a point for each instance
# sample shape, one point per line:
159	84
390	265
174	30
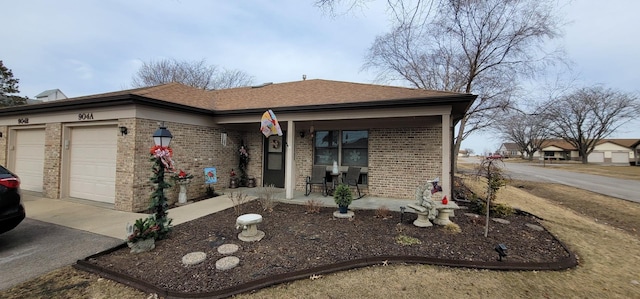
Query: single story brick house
97	147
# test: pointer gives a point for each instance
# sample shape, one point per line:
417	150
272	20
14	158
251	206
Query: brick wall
3	145
399	160
303	160
194	148
402	159
52	158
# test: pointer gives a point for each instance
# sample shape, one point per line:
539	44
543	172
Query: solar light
502	251
402	208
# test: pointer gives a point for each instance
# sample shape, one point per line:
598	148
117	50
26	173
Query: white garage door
29	158
92	167
596	158
620	158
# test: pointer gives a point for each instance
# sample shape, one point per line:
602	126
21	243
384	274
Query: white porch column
447	185
289	164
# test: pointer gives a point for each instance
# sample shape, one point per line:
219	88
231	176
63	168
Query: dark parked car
11	208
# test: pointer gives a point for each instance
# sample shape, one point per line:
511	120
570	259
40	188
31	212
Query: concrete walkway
104	220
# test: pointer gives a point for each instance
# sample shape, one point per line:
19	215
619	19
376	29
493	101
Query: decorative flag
269	124
210	175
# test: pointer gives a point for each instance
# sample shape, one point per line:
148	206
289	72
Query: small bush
383	212
405	240
501	210
237	199
452	228
312	206
267	197
478	206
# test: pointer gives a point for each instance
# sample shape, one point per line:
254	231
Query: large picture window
355	148
326	147
348	148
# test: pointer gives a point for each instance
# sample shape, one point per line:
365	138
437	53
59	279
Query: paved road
35	248
624	189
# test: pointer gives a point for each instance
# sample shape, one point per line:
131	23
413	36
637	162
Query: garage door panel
620	157
93	163
29	158
596	158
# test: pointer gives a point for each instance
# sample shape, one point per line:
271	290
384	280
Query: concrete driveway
623	189
34	248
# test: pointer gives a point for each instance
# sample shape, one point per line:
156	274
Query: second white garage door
620	158
92	167
29	158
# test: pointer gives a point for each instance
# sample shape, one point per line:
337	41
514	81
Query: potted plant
343	197
142	234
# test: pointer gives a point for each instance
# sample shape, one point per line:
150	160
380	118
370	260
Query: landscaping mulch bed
296	240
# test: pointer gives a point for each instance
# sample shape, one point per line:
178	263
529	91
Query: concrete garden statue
182	179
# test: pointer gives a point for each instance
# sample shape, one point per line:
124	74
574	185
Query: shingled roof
306	94
315	92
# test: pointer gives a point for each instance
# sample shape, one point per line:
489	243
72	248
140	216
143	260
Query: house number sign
85	116
22	121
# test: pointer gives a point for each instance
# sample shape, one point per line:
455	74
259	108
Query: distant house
50	95
510	150
610	151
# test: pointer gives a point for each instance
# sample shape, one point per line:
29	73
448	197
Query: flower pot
251	182
233	182
343	209
142	245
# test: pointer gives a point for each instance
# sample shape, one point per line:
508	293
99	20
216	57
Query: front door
274	151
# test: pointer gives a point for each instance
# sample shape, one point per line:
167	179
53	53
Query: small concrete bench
444	212
423	216
249	225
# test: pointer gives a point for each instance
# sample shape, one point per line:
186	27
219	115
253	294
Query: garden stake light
501	249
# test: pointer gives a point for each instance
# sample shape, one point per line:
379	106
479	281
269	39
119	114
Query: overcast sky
87	47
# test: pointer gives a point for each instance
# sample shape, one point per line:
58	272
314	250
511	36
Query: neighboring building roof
49	92
511	146
559	143
621	142
567	146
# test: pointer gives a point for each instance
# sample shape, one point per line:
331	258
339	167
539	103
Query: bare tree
468	46
192	73
527	130
586	116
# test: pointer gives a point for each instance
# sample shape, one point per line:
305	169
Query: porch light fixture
123	131
501	249
162	136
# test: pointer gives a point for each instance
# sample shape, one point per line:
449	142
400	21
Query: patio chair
352	178
318	177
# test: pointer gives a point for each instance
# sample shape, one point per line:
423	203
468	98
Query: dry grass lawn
608	250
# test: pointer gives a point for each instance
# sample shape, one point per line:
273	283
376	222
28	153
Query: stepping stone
500	220
226	263
228	249
534	227
194	258
472	215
